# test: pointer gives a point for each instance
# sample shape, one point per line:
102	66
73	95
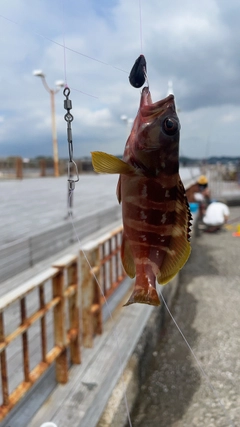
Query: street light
170	88
59	84
170	92
128	122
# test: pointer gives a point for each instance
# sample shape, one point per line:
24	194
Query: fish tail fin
144	295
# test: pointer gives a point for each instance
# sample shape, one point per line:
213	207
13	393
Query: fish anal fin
175	259
127	258
118	190
107	163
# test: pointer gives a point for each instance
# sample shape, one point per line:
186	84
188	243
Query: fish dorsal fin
127	257
179	248
184	200
107	163
118	190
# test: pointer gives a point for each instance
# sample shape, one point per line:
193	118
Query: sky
195	44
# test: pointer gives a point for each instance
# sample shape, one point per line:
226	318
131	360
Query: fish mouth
149	110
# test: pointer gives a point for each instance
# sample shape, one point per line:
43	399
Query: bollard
19	167
42	164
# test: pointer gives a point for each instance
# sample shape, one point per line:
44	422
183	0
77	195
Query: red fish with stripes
155	210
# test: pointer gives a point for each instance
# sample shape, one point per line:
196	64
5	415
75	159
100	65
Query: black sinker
138	72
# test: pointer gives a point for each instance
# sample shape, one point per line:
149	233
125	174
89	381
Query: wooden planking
23	276
12	246
16	257
47	243
81	400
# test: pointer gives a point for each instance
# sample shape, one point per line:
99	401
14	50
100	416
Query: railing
40	320
104	255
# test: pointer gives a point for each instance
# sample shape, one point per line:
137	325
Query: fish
155	211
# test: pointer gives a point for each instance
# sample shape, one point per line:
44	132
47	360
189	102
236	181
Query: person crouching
216	215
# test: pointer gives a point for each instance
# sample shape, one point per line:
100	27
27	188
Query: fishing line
140	26
114	330
233	220
200	368
84	93
71	186
62	45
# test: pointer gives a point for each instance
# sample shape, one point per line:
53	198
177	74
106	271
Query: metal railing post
91	296
25	341
74	314
3	358
60	334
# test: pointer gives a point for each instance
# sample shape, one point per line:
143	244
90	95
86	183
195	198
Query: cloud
195	44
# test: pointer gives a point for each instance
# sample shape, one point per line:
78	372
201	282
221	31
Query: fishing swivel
72	167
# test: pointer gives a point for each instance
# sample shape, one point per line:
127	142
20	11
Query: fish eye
170	126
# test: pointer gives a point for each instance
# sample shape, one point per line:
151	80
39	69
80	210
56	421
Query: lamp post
170	88
52	92
170	92
128	122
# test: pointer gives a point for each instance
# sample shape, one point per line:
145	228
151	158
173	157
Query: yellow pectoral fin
106	163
